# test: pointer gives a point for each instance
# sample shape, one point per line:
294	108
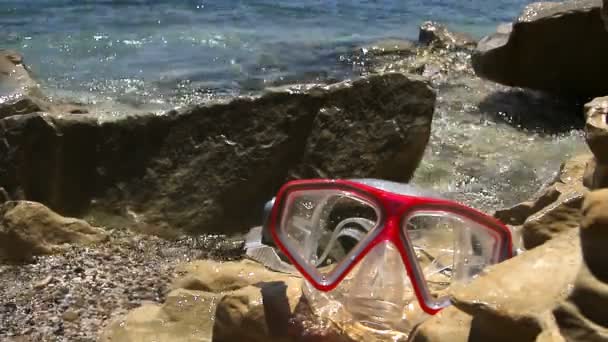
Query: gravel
70	297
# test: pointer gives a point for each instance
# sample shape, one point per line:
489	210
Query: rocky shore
62	279
131	228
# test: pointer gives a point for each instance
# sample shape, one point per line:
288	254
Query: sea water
172	52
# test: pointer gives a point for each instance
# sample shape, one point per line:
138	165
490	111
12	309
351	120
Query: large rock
554	210
16	84
29	228
14	74
583	315
596	133
209	294
605	13
514	299
233	301
555	292
555	47
20	93
237	301
211	168
511	301
439	55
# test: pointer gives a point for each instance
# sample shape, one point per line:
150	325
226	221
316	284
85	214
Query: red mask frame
395	209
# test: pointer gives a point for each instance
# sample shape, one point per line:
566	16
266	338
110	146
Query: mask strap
341	231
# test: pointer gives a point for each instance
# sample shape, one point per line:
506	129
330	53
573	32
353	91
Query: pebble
70	297
43	283
70	316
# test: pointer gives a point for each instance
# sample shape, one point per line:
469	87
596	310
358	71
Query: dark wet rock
367	57
437	53
596	133
382	51
605	13
554	47
388	46
359	134
19	105
28	229
583	316
555	210
438	36
533	111
4	195
212	168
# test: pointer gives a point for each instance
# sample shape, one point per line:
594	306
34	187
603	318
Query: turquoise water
166	51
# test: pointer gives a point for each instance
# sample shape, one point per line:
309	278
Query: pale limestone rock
29	228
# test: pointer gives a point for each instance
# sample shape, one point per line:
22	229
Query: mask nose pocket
379	289
376	295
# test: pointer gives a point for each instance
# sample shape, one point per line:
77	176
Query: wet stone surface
70	297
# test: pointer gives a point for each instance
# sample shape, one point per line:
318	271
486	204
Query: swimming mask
386	251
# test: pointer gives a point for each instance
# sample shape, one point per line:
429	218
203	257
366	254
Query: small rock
70	316
29	228
556	208
387	47
437	35
43	283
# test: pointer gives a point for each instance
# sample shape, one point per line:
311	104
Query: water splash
478	157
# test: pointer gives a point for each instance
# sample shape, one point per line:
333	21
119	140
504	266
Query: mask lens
449	248
322	227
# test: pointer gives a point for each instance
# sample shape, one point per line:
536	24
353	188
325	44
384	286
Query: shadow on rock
534	111
558	47
276	307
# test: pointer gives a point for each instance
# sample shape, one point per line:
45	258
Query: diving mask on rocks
380	253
